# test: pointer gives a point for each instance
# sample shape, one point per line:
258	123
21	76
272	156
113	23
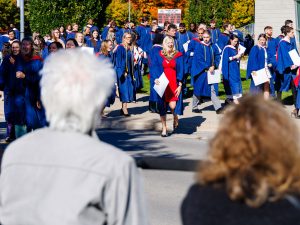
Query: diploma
186	45
214	77
261	76
161	87
241	49
295	57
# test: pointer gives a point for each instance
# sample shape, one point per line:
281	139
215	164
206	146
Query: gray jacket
62	178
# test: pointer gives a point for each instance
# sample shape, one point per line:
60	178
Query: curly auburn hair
255	153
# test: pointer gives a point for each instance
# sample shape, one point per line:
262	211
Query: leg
172	106
164	125
214	98
196	101
266	90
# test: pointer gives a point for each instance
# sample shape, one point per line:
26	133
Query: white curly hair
74	88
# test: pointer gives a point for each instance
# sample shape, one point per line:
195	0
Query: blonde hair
104	46
169	53
123	40
255	152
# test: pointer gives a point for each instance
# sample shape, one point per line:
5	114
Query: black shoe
197	111
220	111
9	139
123	114
227	102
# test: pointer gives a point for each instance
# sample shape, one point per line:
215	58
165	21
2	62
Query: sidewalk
191	125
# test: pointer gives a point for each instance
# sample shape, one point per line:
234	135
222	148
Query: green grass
286	96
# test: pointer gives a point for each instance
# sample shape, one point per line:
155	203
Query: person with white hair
62	174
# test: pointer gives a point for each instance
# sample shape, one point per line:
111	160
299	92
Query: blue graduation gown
137	68
14	91
152	62
123	59
96	47
144	41
223	40
284	62
111	98
190	54
192	34
240	36
120	33
71	35
157	70
182	38
35	117
271	51
205	56
231	72
215	33
256	61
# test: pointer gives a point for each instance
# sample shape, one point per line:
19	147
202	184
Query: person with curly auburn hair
252	175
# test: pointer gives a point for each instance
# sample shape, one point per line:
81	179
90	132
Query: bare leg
164	125
266	90
172	106
124	107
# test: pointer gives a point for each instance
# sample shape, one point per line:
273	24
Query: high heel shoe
124	114
164	134
294	114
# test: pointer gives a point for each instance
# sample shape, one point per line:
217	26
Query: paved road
165	191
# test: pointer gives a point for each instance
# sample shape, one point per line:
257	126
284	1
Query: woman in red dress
170	62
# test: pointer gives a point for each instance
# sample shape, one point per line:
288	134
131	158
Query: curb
166	163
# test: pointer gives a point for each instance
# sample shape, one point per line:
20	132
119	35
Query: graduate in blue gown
14	94
190	51
28	69
290	23
257	60
193	30
139	55
123	63
214	31
94	41
272	63
121	32
224	37
143	31
231	70
106	54
152	62
287	68
206	58
182	37
169	62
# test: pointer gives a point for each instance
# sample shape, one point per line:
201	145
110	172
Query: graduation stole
211	50
126	62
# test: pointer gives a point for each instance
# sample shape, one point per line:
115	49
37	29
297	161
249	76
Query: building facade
274	13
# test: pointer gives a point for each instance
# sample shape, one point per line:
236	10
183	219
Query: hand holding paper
214	77
162	85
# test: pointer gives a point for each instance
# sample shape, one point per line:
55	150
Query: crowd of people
171	51
63	174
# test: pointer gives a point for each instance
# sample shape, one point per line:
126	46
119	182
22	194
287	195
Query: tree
205	10
242	13
9	13
118	11
45	15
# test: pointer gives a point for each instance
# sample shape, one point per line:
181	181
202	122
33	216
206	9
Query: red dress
169	66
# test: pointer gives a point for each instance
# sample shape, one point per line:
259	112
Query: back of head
74	87
255	153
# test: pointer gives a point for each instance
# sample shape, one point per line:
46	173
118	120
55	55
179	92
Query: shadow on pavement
189	125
